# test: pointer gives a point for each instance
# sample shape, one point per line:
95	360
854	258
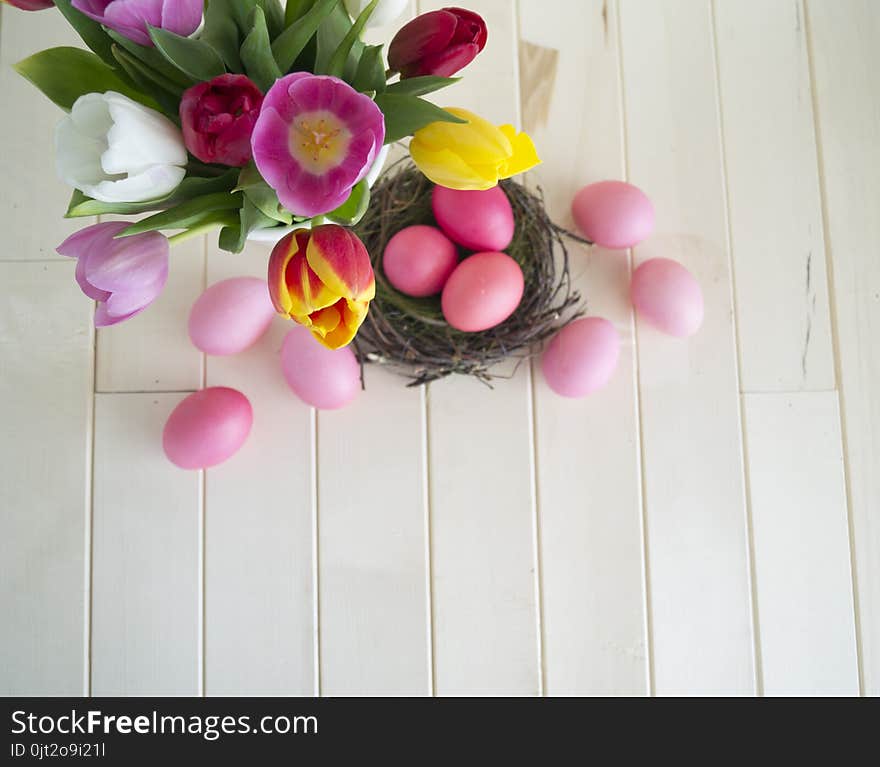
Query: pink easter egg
476	220
582	357
418	260
320	377
482	292
613	214
231	315
207	427
668	296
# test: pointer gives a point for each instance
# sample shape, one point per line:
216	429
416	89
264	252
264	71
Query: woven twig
410	335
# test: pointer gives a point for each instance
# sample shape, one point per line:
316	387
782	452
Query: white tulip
116	150
384	13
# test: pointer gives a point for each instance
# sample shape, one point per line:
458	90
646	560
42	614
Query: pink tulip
131	17
437	43
124	275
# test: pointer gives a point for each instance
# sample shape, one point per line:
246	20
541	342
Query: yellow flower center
319	141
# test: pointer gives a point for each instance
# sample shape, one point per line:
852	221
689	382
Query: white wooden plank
587	450
152	351
777	240
147	570
259	534
846	69
694	495
480	450
33	194
375	612
46	367
802	559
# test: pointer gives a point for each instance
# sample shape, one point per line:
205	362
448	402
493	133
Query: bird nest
410	335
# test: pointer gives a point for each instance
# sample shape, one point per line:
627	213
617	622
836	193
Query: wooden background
708	523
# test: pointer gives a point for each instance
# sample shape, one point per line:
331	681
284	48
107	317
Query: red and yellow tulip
322	278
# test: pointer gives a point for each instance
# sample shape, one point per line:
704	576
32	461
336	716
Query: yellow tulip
471	155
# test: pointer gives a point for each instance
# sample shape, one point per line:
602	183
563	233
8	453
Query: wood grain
693	471
589	479
802	557
846	63
45	471
260	627
147	554
777	240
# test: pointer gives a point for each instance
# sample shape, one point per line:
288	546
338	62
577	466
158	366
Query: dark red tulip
437	43
218	119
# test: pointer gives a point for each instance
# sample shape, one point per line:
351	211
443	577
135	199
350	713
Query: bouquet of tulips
248	116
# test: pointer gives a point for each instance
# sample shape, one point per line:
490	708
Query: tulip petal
151	184
341	262
129	301
139	138
306	292
446	168
182	16
138	260
104	318
77	156
90	290
78	244
353	315
524	155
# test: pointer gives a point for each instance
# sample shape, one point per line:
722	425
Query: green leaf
166	94
274	16
370	74
91	32
336	65
261	194
222	33
419	86
295	10
404	115
328	39
233	238
65	74
290	43
353	209
191	56
192	186
186	214
153	60
256	53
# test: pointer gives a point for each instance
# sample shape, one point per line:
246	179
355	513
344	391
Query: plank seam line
146	391
428	494
89	564
648	625
203	514
835	340
757	659
537	559
316	570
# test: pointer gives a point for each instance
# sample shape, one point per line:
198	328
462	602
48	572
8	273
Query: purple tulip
125	276
130	17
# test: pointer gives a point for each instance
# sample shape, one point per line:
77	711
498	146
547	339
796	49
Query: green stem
197	168
188	234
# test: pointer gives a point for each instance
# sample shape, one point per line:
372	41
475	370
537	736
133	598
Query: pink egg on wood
418	260
483	291
475	219
668	296
320	377
613	214
207	427
582	357
231	315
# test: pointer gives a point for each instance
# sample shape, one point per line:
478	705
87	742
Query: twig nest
412	336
